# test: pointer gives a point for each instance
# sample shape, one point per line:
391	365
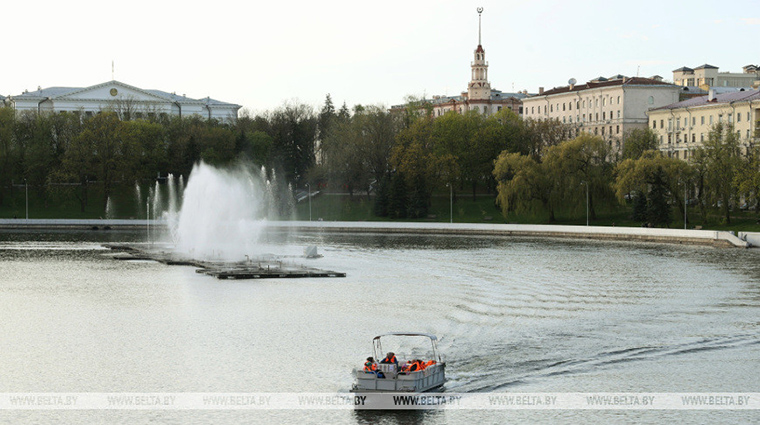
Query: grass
341	207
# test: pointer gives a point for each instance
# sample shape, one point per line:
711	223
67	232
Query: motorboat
395	378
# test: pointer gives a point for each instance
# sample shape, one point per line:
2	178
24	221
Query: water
517	315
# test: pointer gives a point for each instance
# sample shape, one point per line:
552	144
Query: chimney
711	95
540	90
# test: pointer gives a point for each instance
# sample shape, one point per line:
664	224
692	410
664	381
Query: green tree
637	141
525	185
719	156
584	160
636	176
658	209
7	150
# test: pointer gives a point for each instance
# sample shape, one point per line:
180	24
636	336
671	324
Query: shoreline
638	234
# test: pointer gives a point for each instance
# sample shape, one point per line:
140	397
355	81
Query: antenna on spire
480	11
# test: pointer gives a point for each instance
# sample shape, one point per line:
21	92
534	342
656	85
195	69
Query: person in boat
390	358
413	366
370	366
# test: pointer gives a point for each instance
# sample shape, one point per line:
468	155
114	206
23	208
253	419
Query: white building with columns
129	102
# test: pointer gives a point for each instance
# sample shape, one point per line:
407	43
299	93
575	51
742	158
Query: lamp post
308	185
451	202
26	189
584	183
147	216
684	206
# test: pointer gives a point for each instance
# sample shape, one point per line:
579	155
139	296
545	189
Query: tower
479	87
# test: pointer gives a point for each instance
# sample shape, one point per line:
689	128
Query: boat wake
487	371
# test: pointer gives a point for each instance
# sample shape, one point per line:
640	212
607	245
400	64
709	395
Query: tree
7	149
525	185
583	160
658	209
637	141
636	176
540	135
294	133
719	155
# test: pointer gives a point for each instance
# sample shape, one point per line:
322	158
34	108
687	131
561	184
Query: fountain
218	226
222	215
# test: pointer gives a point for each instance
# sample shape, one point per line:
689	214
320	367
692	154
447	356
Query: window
702	119
693	121
563	106
597	116
693	138
730	118
654	124
551	108
604	115
738	117
720	117
618	100
711	120
617	129
520	110
604	102
702	137
661	123
618	114
602	131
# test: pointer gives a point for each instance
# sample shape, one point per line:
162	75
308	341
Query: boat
390	378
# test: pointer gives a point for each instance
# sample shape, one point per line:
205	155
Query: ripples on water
512	314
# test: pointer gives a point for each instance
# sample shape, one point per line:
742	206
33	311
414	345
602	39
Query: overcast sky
261	54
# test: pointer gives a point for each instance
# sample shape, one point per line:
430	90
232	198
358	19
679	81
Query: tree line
396	158
584	172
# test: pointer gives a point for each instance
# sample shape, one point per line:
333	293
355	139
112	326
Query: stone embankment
678	236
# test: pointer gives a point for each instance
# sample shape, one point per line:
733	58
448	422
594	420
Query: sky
265	54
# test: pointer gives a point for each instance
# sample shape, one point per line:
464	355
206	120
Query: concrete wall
679	236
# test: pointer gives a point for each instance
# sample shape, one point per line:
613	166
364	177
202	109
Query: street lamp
26	189
451	202
308	185
584	183
147	216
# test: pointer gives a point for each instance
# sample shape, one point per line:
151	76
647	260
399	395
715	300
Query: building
479	95
682	127
707	76
128	101
607	107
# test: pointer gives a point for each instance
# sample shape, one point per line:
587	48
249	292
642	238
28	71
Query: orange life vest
370	367
389	361
430	363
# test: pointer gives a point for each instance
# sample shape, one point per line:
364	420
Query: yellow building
684	126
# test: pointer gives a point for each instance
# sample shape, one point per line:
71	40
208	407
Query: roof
480	49
431	336
634	81
736	96
53	92
706	66
683	69
47	92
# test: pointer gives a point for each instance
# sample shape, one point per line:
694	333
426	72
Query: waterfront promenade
678	236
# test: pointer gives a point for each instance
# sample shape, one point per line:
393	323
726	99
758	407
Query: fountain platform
263	267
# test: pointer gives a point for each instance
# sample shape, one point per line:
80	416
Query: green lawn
341	207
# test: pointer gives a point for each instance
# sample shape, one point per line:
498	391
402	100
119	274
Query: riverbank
677	236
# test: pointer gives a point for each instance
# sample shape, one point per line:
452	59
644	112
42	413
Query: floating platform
264	267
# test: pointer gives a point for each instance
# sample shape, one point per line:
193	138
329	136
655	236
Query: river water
512	315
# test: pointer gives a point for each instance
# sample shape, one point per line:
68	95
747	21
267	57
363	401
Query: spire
480	11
